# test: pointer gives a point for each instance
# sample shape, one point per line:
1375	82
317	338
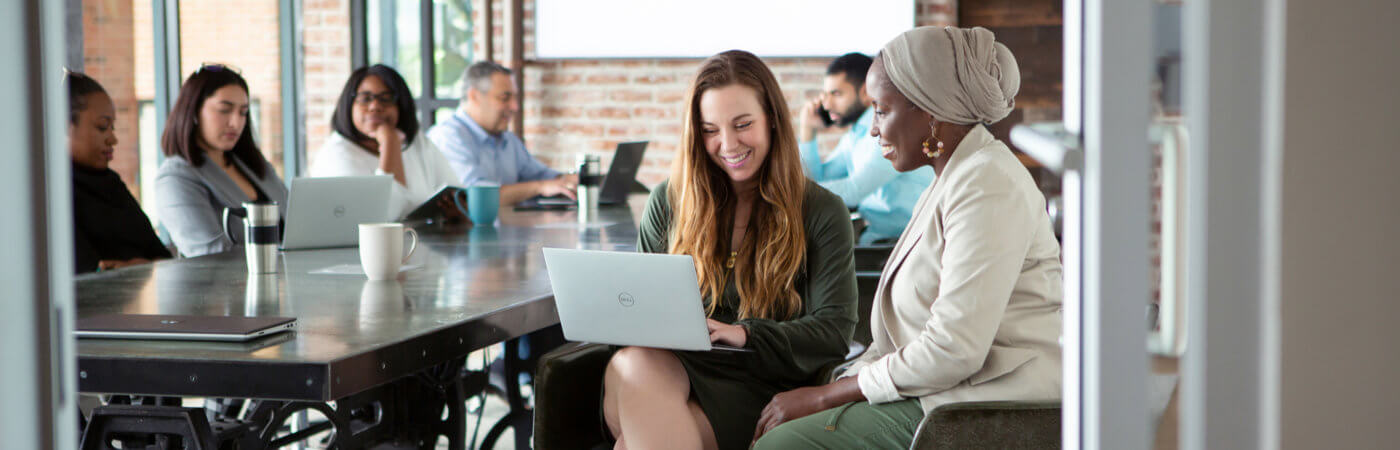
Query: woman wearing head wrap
968	306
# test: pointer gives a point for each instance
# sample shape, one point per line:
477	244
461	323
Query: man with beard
856	169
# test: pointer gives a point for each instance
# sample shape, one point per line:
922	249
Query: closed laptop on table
181	327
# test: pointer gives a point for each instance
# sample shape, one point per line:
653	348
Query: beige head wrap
959	75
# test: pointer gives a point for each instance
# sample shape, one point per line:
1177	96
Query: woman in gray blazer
212	163
968	305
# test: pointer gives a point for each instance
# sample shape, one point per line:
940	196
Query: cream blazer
968	305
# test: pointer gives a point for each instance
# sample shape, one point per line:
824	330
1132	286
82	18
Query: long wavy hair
703	198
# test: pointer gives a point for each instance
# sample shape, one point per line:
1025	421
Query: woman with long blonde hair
773	256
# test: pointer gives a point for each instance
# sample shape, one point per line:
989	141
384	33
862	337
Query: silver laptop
180	327
625	298
326	212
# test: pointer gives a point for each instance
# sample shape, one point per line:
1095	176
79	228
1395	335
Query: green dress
732	387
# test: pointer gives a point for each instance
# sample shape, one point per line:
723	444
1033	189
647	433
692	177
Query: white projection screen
684	29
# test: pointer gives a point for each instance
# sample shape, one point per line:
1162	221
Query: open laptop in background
617	183
326	212
626	298
181	328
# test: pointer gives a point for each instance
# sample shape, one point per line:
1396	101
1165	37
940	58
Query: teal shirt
858	173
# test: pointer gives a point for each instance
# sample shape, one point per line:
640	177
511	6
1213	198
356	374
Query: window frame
427	101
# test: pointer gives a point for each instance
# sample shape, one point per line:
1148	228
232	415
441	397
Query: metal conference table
388	355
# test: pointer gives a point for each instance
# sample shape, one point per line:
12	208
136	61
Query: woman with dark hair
212	163
376	133
773	256
109	229
968	306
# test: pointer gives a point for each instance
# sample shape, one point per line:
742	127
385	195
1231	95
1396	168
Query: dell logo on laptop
339	210
626	299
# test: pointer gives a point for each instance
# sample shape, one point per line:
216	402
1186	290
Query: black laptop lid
164	323
618	182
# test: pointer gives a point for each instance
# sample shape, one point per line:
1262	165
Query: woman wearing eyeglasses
376	133
211	163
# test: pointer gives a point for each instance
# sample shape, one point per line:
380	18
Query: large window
243	34
398	33
142	50
111	50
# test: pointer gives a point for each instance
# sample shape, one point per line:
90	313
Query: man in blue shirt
480	148
856	170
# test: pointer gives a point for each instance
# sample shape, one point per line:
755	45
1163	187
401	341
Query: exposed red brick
575	63
603	145
560	112
631	96
607	78
671	97
654	113
583	130
654	79
572	97
802	77
628	132
672	128
609	113
559	78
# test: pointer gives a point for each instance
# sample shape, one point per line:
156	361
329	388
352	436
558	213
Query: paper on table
355	269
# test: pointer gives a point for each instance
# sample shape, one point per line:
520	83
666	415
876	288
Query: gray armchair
1003	425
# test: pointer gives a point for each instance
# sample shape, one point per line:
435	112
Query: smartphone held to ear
825	116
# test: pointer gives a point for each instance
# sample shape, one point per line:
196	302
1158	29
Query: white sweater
425	170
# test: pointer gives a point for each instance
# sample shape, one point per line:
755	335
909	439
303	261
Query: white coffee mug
381	249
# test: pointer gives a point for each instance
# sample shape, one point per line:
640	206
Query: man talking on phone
856	170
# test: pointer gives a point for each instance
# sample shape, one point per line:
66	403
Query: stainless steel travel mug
590	181
261	236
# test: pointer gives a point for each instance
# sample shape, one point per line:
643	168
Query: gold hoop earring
933	153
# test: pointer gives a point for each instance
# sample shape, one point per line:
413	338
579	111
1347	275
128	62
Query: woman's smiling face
735	131
901	126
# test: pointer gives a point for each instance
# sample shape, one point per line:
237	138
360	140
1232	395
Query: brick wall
108	56
326	42
1033	31
119	52
244	34
590	105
